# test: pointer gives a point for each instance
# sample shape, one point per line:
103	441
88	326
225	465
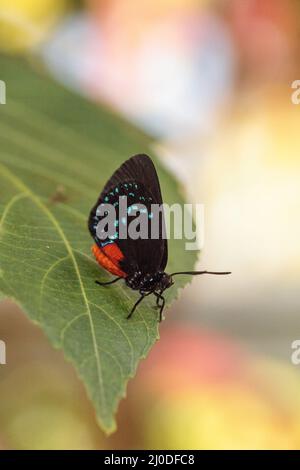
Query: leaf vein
19	183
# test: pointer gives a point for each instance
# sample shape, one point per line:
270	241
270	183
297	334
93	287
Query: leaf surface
56	152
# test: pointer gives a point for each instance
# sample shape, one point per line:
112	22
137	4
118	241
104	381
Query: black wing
138	181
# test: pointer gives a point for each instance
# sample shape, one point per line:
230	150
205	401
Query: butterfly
141	262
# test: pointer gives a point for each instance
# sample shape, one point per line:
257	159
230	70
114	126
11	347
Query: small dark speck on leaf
59	195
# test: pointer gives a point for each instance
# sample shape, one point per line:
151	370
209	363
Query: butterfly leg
157	305
162	306
137	303
162	309
158	298
109	282
135	306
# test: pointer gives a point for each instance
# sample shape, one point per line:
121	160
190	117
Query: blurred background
211	81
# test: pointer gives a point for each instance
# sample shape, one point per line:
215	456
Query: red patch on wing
108	257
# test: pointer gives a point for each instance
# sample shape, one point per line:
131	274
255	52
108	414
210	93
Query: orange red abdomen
109	257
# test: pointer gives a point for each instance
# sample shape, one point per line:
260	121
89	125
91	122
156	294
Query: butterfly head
165	281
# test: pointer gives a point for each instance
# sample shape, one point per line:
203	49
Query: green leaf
56	152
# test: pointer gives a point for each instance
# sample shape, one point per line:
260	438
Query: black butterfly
140	262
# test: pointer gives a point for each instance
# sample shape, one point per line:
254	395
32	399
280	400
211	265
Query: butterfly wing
137	180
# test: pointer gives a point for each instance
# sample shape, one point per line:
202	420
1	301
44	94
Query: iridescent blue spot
142	198
114	236
115	204
117	190
131	194
106	198
136	186
106	242
150	215
131	208
116	223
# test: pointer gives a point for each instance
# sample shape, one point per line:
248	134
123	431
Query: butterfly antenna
197	273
